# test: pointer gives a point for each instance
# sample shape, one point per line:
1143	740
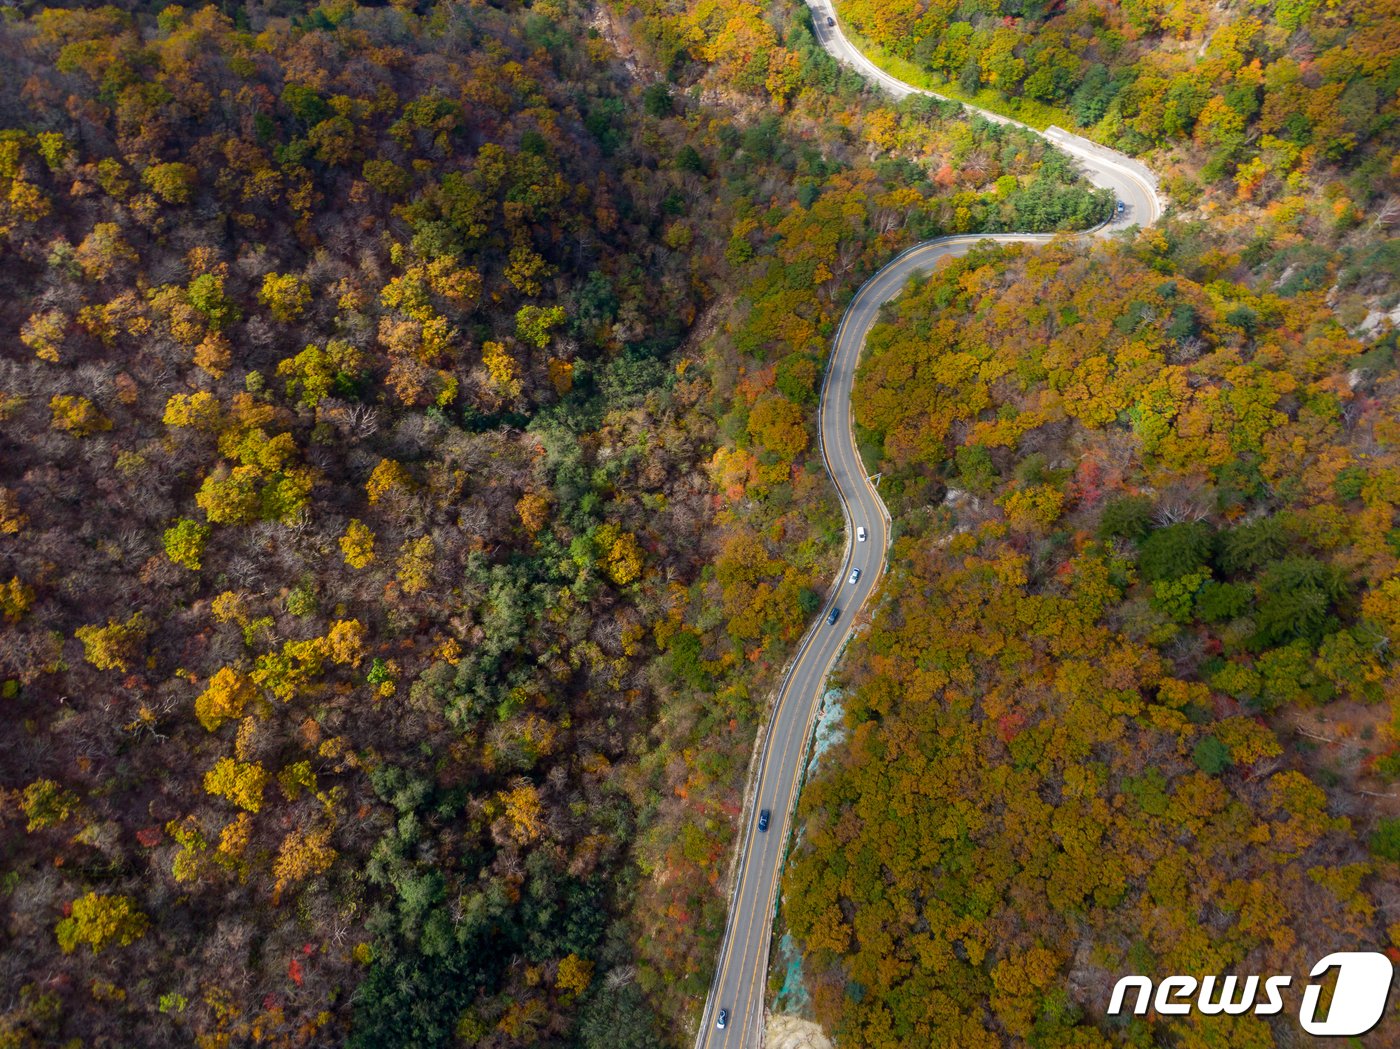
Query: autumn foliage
1145	544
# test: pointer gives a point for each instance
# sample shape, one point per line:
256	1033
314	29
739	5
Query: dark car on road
835	615
722	1020
830	21
763	820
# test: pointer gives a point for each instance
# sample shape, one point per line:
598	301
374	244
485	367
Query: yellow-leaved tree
224	700
502	370
241	782
301	856
522	811
116	645
357	544
574	974
100	920
388	477
285	295
533	511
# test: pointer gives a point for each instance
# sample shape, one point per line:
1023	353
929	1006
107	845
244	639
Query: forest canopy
1146	543
408	499
1264	98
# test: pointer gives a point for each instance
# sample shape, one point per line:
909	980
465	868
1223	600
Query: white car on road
855	574
860	533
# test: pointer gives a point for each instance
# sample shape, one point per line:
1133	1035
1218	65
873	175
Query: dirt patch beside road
790	1032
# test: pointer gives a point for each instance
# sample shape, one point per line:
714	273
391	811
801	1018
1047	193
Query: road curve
740	984
1129	179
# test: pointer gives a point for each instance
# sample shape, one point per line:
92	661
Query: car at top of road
835	615
855	574
860	533
722	1020
830	21
763	820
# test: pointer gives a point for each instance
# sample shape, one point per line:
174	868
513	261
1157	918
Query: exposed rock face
791	1032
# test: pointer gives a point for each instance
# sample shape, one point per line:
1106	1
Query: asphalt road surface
740	984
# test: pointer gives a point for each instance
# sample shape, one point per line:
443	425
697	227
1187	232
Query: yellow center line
882	288
758	977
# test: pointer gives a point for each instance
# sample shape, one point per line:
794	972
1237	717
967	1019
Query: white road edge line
1096	159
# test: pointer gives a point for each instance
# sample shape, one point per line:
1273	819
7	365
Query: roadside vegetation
1253	100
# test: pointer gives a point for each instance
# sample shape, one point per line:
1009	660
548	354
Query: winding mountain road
740	984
